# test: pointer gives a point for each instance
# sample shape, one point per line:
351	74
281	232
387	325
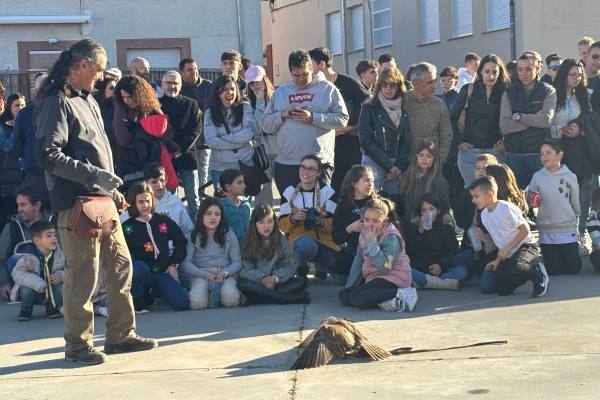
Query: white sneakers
405	300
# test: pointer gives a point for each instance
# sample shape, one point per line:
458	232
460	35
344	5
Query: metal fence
22	81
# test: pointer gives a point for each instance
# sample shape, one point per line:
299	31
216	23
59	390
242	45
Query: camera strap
316	197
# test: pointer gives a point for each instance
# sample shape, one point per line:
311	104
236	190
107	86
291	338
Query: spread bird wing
329	341
372	350
311	337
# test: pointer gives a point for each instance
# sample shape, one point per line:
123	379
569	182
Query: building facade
438	31
34	32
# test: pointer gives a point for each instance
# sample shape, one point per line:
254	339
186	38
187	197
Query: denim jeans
487	282
586	190
214	177
379	172
191	184
30	297
162	285
523	166
460	273
466	162
308	250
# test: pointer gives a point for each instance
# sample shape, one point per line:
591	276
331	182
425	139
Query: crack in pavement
292	391
294	380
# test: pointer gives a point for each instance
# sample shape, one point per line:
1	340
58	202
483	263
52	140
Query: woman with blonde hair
384	131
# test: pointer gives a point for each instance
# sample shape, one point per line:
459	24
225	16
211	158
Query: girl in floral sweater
155	269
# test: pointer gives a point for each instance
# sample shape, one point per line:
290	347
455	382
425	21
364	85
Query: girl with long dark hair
480	102
213	259
268	270
229	127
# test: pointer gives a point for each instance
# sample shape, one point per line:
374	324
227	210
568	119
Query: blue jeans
162	285
12	263
487	282
30	297
586	190
191	184
459	273
466	162
214	177
523	166
308	249
379	172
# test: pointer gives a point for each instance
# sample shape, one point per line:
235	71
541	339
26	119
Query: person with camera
306	219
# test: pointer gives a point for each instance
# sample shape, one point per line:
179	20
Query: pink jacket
395	261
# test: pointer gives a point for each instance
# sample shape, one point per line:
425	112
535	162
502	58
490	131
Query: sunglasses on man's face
554	67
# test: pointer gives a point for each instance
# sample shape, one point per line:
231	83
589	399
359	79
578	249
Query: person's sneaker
540	287
394	304
131	344
52	312
139	305
88	356
408	296
24	316
584	246
321	275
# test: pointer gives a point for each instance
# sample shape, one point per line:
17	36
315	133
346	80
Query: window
382	23
462	17
158	58
498	14
334	32
430	21
358	36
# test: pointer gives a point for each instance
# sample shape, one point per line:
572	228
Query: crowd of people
377	178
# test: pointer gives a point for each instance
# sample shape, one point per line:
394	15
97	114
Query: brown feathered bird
336	338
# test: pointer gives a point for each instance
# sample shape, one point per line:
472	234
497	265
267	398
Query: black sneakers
540	287
24	315
131	344
52	312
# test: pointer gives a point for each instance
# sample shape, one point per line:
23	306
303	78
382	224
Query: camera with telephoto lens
312	219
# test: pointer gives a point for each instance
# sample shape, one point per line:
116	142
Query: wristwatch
517	116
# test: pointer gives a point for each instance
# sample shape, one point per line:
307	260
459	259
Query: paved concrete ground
553	351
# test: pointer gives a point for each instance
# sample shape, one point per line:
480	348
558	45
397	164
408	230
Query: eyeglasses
309	169
595	56
554	67
389	85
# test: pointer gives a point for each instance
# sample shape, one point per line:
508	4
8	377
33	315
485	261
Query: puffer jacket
228	149
28	273
386	144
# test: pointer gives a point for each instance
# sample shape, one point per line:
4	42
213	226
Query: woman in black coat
384	130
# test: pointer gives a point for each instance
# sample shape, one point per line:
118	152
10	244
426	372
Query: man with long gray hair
73	149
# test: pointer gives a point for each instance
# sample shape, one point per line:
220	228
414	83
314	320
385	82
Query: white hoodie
171	206
295	139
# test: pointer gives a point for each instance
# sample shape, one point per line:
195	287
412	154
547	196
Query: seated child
166	203
517	259
432	247
268	270
38	274
235	204
593	227
380	275
213	259
155	268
